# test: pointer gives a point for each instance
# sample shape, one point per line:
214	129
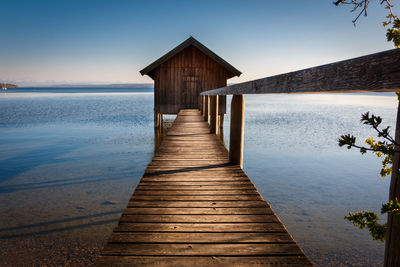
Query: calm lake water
70	160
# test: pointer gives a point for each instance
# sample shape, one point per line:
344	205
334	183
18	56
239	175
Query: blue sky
104	41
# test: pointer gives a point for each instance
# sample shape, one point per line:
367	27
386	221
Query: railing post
206	108
214	114
392	242
201	105
237	130
221	121
156	119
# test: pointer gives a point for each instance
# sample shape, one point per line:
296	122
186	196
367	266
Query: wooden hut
181	74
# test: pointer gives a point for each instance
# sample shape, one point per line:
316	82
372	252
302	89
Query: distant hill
10	85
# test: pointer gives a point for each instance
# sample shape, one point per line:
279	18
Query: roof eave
190	41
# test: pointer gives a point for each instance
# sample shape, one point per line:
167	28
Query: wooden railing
376	72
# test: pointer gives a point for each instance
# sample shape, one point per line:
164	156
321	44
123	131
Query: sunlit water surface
70	160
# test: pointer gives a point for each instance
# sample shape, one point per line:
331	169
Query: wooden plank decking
192	208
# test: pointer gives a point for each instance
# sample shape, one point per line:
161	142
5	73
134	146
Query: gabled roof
190	41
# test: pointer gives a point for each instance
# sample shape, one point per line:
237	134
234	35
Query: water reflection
160	132
59	225
69	163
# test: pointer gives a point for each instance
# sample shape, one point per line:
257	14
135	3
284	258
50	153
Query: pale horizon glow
101	42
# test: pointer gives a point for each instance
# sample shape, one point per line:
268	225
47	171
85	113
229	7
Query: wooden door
191	87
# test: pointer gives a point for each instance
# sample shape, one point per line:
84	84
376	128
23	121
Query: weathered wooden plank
189	149
196	175
187	141
205	171
194	172
192	149
196	179
143	186
182	171
148	237
197	198
187	163
198	204
189	153
194	218
375	72
199	142
202	227
202	249
292	261
209	142
211	168
190	131
182	192
197	211
200	158
194	183
185	137
218	169
181	151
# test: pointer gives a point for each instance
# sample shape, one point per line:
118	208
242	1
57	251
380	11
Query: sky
110	41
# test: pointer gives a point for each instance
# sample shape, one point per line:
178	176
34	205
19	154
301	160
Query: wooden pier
194	208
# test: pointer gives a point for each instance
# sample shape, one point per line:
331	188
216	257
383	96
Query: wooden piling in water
157	119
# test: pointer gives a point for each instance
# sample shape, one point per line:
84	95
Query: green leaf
368	219
393	207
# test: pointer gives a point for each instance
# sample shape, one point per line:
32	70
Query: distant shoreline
80	88
93	86
9	85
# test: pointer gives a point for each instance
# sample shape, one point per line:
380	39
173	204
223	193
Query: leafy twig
393	33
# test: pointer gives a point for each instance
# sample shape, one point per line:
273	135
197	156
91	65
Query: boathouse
183	73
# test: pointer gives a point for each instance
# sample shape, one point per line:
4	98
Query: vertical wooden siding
179	81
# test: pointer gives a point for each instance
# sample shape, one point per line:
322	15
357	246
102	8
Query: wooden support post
221	121
206	108
201	104
156	119
392	243
158	135
214	114
237	130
